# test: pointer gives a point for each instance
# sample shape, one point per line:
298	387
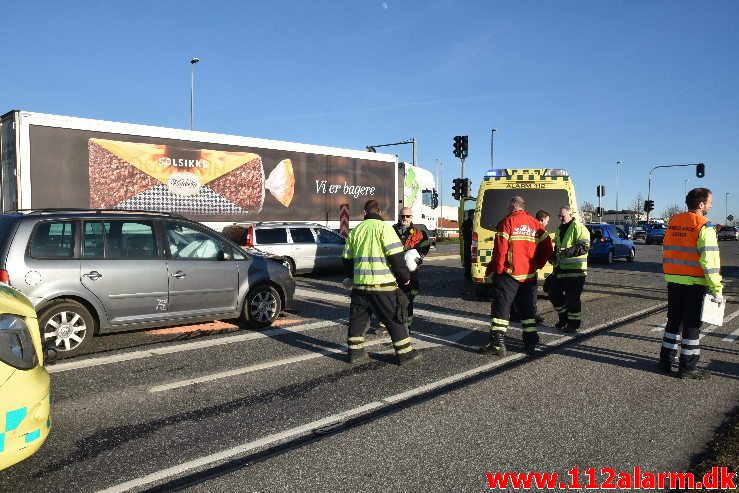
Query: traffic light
465	187
464	146
458	146
599	211
457	188
700	170
600	190
648	205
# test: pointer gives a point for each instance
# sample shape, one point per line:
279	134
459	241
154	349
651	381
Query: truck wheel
68	324
262	306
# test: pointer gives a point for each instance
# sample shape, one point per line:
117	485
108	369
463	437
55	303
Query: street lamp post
726	207
649	188
492	139
192	89
618	163
685	191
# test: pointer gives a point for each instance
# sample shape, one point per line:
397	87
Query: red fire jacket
522	247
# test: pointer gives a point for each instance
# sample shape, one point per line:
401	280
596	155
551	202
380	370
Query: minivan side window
302	235
325	236
191	244
267	236
53	240
119	240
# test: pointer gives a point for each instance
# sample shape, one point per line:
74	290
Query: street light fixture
192	88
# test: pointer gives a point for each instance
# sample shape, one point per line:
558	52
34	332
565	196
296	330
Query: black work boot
358	356
664	366
496	346
562	323
694	374
405	358
530	339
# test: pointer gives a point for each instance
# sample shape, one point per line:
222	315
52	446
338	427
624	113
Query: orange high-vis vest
680	248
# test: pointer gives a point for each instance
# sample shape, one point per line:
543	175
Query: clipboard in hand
712	312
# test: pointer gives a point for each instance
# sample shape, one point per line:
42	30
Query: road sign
344	220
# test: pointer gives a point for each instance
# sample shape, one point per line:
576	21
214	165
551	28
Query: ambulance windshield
495	205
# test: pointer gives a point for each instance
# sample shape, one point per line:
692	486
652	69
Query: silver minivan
305	247
105	271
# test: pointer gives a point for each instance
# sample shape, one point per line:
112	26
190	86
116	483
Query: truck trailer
51	161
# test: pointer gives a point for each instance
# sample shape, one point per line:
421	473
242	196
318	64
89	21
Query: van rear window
495	205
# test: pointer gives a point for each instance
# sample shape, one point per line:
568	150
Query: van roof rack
53	210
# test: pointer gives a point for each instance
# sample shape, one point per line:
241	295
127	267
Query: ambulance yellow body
541	189
24	382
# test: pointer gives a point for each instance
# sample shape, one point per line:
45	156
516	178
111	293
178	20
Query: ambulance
541	188
24	382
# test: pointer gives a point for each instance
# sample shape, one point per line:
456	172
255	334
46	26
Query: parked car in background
656	234
729	233
638	233
305	247
609	242
24	382
88	271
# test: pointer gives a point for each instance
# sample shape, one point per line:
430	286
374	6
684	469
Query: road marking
734	335
440	257
181	347
457	319
420	341
337	419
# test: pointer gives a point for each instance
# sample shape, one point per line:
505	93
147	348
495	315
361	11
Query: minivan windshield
728	228
495	205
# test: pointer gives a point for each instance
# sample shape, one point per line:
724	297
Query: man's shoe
569	329
380	330
405	358
539	319
562	323
697	374
496	345
664	366
533	351
358	356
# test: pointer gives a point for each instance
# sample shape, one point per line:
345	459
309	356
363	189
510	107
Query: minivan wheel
262	306
68	325
609	258
290	264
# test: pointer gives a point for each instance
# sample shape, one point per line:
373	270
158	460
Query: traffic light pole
462	159
649	189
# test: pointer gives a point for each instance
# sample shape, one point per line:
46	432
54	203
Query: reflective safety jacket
572	250
522	246
690	252
373	255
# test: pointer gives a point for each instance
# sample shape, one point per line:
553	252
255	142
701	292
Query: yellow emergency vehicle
24	382
541	188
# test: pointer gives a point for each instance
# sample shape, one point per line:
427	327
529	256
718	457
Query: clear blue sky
572	84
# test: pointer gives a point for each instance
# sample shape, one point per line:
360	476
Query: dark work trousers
411	291
565	293
385	307
684	304
506	292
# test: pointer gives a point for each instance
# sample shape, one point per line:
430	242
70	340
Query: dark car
89	272
638	233
656	234
609	242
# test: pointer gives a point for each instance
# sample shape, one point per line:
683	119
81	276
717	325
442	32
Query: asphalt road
219	408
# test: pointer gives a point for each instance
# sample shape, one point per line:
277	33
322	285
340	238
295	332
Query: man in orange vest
691	265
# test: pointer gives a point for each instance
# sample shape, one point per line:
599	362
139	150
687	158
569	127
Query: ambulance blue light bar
495	173
556	172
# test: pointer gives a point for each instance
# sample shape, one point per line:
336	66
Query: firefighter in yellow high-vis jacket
373	256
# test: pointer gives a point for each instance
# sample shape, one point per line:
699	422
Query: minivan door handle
93	276
179	274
